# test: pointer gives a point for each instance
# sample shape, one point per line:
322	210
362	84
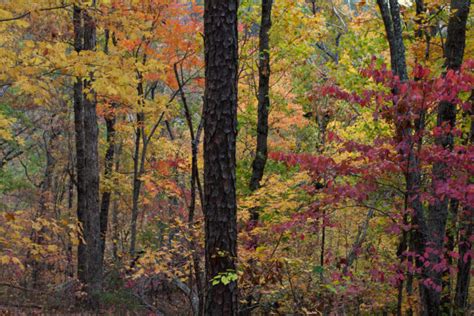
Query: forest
236	157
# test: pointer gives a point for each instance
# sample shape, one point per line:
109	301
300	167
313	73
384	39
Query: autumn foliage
366	202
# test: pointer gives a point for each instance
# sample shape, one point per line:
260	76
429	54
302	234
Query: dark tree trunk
195	185
91	171
89	258
390	12
108	166
138	169
392	21
438	211
220	130
115	209
80	164
261	152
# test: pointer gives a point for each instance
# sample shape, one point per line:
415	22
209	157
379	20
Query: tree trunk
195	185
106	195
115	208
89	258
91	174
438	211
110	120
220	130
393	27
80	164
261	152
138	168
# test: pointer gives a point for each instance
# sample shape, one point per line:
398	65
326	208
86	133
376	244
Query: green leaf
318	269
225	280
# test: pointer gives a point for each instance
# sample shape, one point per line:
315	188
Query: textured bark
446	115
220	129
79	135
91	173
85	120
393	27
261	153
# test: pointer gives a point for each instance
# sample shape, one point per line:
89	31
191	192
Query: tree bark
108	166
91	174
138	169
110	120
393	26
220	130
79	135
446	115
138	163
261	153
89	258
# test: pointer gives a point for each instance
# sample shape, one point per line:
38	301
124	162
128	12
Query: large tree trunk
438	211
220	130
89	258
261	152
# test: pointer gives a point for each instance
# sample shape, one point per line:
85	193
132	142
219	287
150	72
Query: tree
87	160
261	152
446	117
220	130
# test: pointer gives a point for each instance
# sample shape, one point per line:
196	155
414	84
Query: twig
24	15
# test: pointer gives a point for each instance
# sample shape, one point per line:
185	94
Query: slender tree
220	130
446	116
110	120
430	228
438	212
79	138
261	152
390	12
